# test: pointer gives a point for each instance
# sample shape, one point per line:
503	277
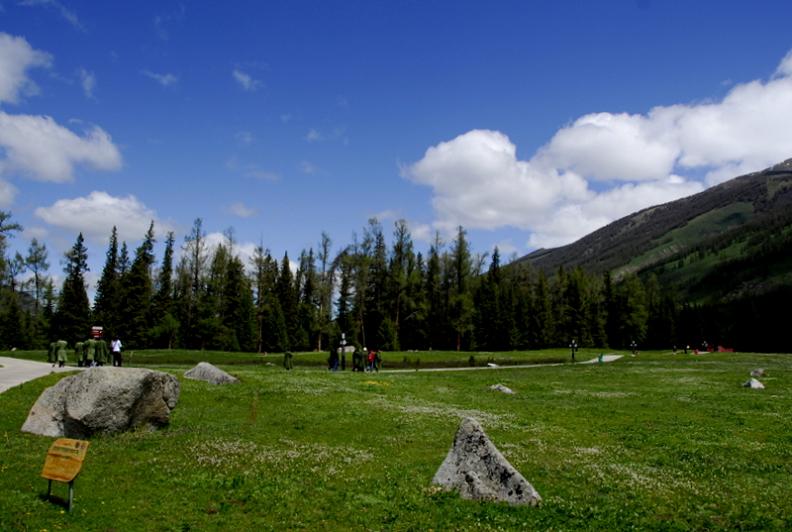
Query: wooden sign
64	459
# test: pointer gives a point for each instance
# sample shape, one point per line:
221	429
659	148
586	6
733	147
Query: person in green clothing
79	353
52	354
90	352
287	360
61	353
101	352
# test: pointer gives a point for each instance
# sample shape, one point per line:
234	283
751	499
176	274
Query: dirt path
606	358
15	371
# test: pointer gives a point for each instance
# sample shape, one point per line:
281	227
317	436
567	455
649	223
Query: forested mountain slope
724	243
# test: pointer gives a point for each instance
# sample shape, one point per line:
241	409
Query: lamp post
342	355
574	347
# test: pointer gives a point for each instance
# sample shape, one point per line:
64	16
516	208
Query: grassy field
393	360
649	442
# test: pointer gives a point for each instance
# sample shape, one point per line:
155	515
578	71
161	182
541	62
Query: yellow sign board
64	459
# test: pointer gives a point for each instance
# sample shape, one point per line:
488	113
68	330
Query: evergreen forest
380	295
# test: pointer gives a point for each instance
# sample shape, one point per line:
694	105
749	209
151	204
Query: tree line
389	297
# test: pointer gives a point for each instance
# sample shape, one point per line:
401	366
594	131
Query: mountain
730	241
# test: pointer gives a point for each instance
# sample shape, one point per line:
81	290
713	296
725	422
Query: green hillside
729	242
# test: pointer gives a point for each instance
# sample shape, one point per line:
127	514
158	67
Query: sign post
63	463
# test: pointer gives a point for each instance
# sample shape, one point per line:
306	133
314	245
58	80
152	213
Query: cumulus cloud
635	160
243	250
40	148
166	80
96	214
7	194
16	58
245	80
242	210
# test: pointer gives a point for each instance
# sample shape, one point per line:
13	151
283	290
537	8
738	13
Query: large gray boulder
104	400
205	371
480	472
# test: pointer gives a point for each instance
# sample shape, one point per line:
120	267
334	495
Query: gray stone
480	472
204	371
753	384
104	400
501	388
758	372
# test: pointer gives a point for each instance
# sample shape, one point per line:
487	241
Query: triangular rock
480	472
753	384
204	371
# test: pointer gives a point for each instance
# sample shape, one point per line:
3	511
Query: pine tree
138	290
72	318
461	311
165	325
36	262
107	301
325	290
287	296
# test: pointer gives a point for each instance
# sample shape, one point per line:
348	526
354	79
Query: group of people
370	362
88	354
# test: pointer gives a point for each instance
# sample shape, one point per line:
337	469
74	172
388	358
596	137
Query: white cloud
39	147
242	210
68	15
166	80
261	174
16	57
479	182
246	81
88	82
36	231
313	135
7	194
245	138
96	214
309	168
243	250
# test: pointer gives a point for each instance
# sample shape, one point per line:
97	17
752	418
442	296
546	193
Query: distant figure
101	352
61	353
332	362
287	360
371	357
357	360
378	360
52	354
79	354
115	348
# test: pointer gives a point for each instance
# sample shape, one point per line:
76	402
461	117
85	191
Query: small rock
492	365
753	384
476	468
501	388
758	372
206	372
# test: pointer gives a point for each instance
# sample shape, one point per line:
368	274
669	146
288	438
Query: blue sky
529	123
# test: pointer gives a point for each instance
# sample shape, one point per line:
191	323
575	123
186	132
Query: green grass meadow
657	441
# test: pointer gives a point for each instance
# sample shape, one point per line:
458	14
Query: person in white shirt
115	347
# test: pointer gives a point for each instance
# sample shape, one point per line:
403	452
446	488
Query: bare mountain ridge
653	237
